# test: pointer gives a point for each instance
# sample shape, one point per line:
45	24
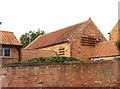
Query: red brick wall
86	74
81	52
114	34
56	48
14	56
84	52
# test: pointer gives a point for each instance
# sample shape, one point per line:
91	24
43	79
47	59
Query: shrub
118	44
51	59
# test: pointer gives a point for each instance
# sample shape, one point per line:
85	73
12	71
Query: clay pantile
105	49
56	37
35	53
8	38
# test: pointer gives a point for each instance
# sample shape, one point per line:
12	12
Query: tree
118	44
27	38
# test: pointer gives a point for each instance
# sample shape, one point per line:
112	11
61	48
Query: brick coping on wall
60	88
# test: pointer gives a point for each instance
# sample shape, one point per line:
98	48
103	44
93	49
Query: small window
5	52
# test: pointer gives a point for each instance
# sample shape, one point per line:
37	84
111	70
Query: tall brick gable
89	30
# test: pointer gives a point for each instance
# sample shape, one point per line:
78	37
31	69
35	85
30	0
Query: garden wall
85	74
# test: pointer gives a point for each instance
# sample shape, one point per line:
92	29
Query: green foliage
51	59
119	29
118	44
27	38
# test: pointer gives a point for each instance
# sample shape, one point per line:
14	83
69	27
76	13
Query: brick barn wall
74	47
84	52
81	52
86	74
56	48
114	34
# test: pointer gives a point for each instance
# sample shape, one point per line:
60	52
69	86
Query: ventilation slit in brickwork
89	41
61	51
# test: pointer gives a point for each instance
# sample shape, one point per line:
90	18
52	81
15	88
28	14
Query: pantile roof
105	49
35	53
8	38
56	37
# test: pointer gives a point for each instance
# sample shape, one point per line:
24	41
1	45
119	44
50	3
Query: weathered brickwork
14	56
113	36
8	40
84	52
57	47
115	33
86	74
81	52
74	48
69	38
90	29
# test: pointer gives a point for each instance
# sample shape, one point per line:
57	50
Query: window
5	52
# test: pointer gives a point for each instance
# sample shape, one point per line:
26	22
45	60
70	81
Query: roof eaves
11	45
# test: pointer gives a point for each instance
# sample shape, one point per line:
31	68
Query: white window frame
3	56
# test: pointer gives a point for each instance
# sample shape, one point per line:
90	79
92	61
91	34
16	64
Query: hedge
51	59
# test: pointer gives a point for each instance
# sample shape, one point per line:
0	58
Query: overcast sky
20	16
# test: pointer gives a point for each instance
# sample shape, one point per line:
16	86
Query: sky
20	16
